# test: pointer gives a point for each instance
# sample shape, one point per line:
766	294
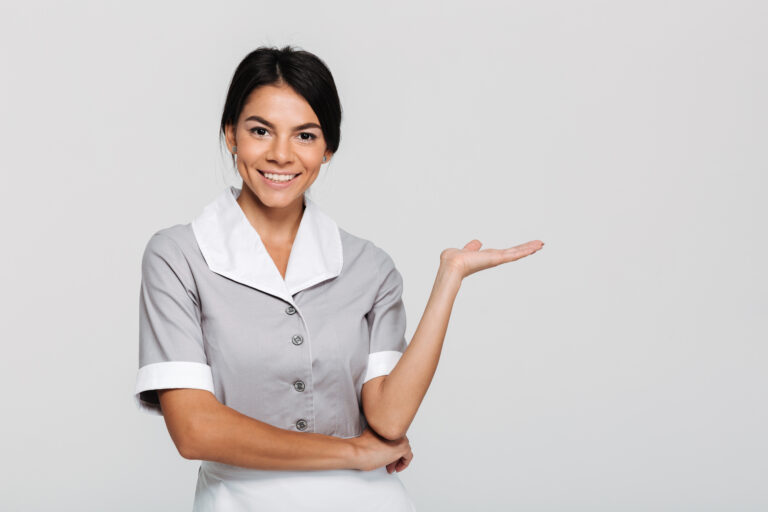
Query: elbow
191	417
190	440
390	430
394	434
188	450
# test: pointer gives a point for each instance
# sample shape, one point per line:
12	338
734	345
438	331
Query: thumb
474	245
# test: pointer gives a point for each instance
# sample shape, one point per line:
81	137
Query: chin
274	199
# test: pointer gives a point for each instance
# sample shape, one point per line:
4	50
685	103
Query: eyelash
312	136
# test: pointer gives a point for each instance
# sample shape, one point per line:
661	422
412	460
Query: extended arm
390	401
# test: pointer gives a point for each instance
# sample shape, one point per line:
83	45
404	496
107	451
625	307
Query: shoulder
363	251
178	235
173	245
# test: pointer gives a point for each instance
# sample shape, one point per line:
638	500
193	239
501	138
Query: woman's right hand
373	451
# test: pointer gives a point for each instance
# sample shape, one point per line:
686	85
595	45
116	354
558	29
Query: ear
328	154
229	135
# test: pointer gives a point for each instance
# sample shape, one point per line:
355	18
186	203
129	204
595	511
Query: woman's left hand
400	464
470	258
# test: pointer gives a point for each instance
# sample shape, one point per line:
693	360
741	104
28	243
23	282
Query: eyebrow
264	121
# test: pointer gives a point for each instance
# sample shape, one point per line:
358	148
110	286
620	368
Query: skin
391	401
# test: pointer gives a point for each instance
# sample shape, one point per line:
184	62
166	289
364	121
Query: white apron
225	488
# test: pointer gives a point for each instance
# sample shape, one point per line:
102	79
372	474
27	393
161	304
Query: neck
275	225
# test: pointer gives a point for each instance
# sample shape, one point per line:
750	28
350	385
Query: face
280	146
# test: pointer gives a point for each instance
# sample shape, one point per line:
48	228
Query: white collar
233	248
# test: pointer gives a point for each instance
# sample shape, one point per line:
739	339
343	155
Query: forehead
279	104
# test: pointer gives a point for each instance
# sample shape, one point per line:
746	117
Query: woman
273	341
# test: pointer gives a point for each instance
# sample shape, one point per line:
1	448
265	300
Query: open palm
470	258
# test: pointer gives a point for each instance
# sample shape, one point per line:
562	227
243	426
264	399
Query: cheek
311	157
251	151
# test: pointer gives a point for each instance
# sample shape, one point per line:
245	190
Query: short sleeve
386	322
171	349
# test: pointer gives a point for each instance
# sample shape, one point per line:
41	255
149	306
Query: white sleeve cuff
381	363
167	375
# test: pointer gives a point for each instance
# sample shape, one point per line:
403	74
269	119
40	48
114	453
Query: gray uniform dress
216	314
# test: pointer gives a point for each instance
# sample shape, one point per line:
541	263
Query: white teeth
280	177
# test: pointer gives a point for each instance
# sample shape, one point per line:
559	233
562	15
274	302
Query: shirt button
301	424
290	310
297	339
298	385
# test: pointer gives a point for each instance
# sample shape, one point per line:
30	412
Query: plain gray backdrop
623	367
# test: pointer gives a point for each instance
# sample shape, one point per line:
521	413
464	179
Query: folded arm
202	428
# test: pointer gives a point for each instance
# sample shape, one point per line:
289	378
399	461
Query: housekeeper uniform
216	314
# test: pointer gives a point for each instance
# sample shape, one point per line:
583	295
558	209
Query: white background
623	367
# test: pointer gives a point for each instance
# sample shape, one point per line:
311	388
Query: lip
275	185
270	171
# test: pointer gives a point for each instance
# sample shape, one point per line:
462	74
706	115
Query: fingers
494	257
533	245
401	463
522	250
404	461
487	258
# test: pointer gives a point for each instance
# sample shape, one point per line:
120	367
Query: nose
280	151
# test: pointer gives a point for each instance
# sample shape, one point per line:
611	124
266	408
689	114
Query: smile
278	178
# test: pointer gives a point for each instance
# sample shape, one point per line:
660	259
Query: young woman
273	341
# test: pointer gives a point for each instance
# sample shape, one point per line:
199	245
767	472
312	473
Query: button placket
299	385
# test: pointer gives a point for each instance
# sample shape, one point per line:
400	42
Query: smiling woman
276	424
272	340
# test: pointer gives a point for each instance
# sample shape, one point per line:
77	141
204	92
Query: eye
309	136
258	130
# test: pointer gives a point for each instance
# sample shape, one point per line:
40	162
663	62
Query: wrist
351	453
449	274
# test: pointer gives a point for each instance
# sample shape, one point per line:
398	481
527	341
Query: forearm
222	434
403	390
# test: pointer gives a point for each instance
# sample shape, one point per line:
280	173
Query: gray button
297	339
298	385
290	310
301	424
